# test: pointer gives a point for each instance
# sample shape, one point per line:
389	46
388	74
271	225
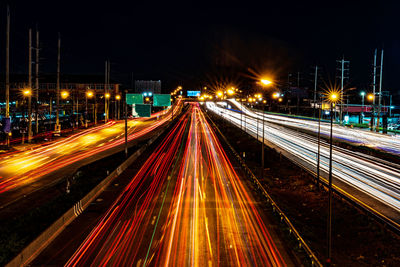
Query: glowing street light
220	93
276	95
230	92
333	97
89	94
265	81
370	97
64	94
118	97
362	103
27	92
107	95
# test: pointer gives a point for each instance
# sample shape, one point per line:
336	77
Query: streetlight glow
64	94
370	97
27	92
118	97
334	97
266	81
107	95
230	92
89	94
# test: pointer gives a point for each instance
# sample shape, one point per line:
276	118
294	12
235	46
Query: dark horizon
180	44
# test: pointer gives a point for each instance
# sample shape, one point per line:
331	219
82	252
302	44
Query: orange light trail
194	210
26	167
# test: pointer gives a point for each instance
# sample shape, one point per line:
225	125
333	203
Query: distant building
142	86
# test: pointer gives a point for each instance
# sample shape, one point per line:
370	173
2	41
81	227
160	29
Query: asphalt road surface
185	206
370	181
25	172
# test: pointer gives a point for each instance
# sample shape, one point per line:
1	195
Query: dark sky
181	43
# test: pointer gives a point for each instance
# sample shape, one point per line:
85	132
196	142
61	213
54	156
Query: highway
388	143
24	172
372	182
186	206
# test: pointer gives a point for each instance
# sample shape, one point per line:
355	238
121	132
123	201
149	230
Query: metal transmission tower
373	93
8	73
380	93
58	127
317	75
37	81
343	68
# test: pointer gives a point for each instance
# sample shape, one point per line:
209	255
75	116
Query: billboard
134	99
143	110
193	93
162	100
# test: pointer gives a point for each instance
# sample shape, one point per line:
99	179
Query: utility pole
315	88
8	74
108	90
105	92
373	92
37	81
343	68
58	128
380	94
298	92
95	106
126	124
30	87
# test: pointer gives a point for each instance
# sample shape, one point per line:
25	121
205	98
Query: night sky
182	43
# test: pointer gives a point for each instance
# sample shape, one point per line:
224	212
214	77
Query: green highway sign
161	100
143	110
134	99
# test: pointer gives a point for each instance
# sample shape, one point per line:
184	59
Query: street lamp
362	103
264	83
371	98
106	107
118	98
88	94
259	97
333	98
28	93
64	94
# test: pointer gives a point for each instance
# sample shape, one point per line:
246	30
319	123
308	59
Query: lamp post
27	93
334	97
118	98
362	105
88	94
106	107
126	125
264	82
319	141
371	98
65	95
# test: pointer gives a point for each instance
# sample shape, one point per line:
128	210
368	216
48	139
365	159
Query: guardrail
292	230
43	240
